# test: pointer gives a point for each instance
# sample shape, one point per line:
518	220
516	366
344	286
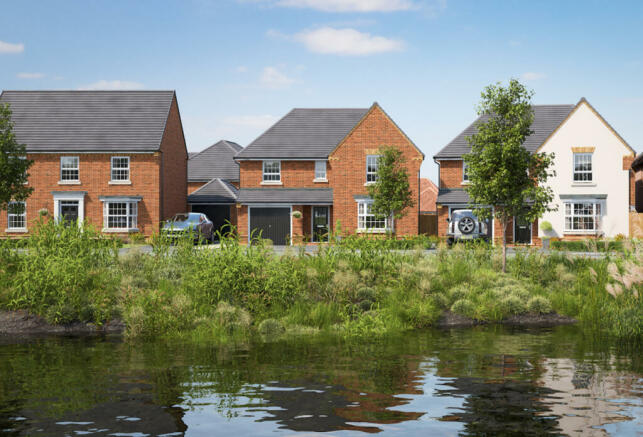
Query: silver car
464	225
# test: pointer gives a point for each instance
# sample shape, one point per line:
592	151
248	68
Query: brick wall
94	175
450	174
348	175
174	165
294	174
193	186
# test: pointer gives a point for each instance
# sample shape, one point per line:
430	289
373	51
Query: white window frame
363	215
585	176
11	216
119	169
594	213
269	177
371	176
130	214
77	169
320	171
465	172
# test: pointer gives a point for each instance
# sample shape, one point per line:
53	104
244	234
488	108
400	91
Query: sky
239	65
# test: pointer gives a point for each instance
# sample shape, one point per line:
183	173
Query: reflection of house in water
579	402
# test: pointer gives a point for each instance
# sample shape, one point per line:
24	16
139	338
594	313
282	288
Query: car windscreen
457	215
190	218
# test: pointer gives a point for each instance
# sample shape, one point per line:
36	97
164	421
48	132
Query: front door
320	223
522	234
68	213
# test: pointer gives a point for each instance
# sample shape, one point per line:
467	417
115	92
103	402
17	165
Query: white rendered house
592	182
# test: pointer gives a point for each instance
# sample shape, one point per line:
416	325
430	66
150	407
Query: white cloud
112	85
347	42
350	5
7	48
251	121
530	75
30	75
271	77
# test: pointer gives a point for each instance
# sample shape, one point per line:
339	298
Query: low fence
429	224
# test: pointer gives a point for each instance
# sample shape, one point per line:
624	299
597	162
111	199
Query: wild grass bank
67	274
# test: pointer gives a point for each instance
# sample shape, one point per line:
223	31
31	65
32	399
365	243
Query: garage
219	214
273	224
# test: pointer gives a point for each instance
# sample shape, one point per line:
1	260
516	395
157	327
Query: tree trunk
504	244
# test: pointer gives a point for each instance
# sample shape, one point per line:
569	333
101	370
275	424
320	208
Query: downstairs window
120	216
582	217
367	221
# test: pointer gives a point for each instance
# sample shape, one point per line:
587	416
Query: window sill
583	184
68	182
465	183
369	183
119	231
373	231
271	183
320	181
581	232
16	231
120	182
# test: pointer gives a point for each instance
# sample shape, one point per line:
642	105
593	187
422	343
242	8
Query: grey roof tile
216	161
298	196
546	119
215	191
304	133
452	195
87	121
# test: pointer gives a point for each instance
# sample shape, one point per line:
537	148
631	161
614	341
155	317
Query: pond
477	381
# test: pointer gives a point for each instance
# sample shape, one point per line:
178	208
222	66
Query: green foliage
546	226
13	163
502	173
588	245
539	305
391	193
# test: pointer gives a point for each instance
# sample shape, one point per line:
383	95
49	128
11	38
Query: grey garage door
273	223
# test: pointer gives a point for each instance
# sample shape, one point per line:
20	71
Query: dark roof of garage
215	191
299	196
452	195
546	119
216	161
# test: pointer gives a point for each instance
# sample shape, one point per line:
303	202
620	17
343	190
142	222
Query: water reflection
483	381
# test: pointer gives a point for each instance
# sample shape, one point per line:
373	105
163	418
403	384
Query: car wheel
466	225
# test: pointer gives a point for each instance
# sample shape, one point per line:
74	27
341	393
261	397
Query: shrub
546	226
464	307
271	327
539	305
513	304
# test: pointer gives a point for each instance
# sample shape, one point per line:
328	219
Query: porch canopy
287	196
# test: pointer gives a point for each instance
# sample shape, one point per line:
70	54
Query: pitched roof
428	195
298	196
216	161
452	195
215	191
87	121
304	133
546	119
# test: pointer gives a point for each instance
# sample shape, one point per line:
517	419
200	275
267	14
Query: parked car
201	226
464	225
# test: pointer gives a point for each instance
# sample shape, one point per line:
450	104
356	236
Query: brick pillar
298	224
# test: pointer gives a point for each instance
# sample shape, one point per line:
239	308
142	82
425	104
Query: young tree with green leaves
13	164
502	173
391	193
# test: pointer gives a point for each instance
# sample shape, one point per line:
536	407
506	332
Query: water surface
480	381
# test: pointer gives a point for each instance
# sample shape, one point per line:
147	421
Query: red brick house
116	159
308	174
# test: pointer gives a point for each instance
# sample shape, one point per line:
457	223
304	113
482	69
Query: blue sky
238	65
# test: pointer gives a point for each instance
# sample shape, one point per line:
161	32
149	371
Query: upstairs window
372	165
465	172
120	168
17	215
69	168
272	171
583	167
320	170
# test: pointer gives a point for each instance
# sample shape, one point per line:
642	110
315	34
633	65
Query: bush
539	305
271	327
463	307
588	245
546	226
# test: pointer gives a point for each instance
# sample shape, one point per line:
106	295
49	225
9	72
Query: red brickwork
193	186
94	177
294	174
450	174
173	165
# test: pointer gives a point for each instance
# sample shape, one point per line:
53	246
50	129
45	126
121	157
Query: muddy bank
452	320
21	322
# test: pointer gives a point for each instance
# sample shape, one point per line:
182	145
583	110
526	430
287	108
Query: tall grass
361	289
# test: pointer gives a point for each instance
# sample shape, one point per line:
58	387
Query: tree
391	193
13	164
502	173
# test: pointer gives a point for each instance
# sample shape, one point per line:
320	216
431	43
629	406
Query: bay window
367	221
120	215
583	217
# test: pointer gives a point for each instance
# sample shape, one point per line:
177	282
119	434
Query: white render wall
585	129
